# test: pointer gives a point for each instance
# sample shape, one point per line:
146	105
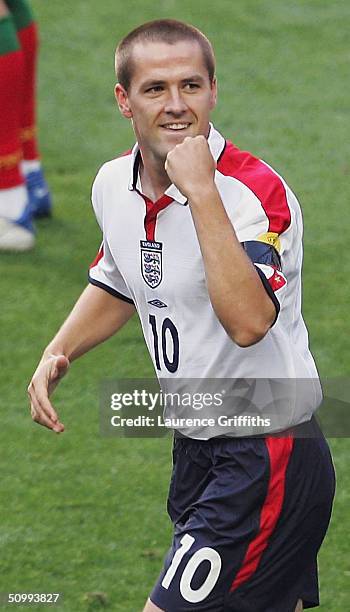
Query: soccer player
23	190
204	242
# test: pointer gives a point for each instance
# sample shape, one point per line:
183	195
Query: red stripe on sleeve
262	181
279	450
97	258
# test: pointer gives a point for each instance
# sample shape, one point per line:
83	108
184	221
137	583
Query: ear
214	93
121	95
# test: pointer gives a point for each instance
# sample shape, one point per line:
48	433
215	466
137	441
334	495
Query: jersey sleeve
267	220
103	271
270	250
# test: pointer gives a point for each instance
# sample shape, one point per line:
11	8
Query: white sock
13	202
30	165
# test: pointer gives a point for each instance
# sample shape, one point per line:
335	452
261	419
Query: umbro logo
158	303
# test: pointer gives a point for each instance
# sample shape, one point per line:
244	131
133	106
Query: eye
154	89
191	86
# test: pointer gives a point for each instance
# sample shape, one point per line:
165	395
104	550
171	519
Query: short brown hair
169	31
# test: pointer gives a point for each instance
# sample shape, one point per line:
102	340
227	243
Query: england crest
151	262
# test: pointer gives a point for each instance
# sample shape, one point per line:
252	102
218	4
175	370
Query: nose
175	104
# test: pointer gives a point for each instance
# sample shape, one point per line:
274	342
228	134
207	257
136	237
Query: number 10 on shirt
165	343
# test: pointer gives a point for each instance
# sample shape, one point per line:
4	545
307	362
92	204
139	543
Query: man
23	189
205	242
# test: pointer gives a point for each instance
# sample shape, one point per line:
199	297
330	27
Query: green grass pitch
81	513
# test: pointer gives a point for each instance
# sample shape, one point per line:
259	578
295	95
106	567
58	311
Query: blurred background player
24	193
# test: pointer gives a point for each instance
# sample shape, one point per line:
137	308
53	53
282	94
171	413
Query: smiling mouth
175	127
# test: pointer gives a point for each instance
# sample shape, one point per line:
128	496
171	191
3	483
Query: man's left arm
236	292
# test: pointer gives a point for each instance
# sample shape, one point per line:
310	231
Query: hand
191	166
46	377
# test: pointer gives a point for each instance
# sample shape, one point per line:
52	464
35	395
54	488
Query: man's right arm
96	316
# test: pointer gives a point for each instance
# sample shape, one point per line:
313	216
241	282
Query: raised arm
96	316
236	292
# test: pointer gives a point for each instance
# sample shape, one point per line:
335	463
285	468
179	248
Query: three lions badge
151	262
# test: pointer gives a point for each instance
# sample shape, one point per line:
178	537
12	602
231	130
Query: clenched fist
191	166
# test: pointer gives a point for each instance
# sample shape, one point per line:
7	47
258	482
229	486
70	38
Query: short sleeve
267	250
103	271
267	220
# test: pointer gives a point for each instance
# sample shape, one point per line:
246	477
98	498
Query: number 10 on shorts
203	554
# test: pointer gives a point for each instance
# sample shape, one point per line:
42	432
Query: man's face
170	96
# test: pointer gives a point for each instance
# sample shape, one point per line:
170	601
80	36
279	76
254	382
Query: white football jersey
150	256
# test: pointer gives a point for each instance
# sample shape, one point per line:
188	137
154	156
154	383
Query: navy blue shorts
249	517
